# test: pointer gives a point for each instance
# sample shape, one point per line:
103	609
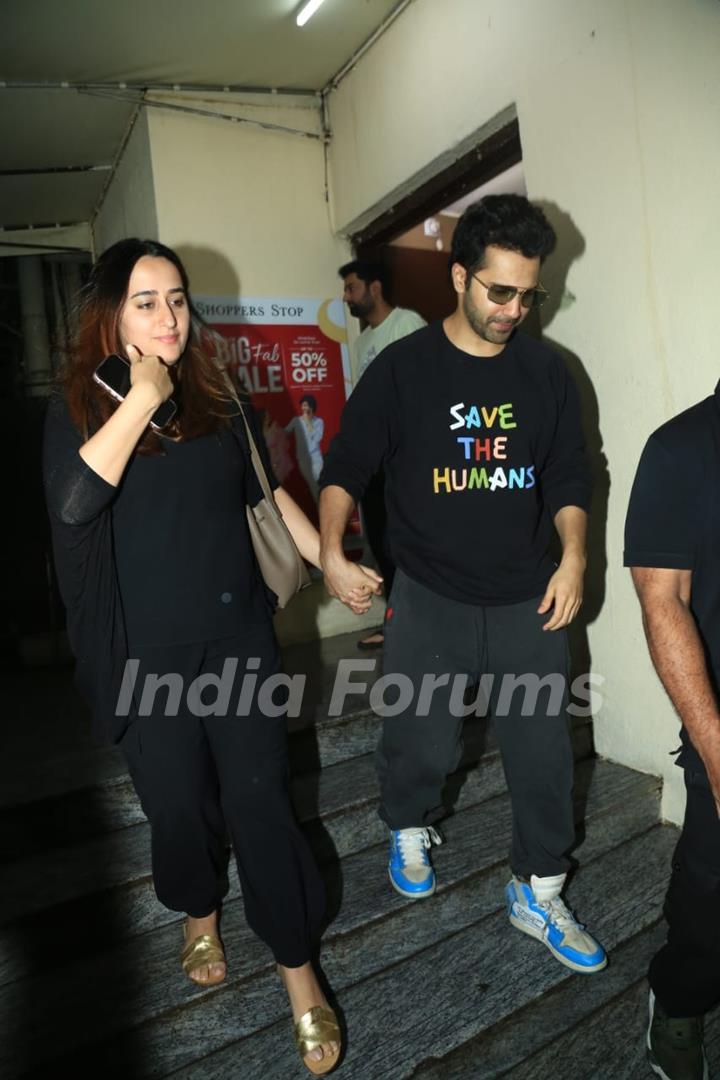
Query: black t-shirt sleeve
366	433
566	477
664	516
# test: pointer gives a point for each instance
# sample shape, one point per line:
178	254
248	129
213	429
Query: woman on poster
308	430
155	565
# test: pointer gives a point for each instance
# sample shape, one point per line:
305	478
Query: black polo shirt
673	520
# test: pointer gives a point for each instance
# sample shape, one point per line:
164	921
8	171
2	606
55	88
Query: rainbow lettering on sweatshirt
482	444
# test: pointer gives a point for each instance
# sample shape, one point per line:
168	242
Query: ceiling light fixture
308	11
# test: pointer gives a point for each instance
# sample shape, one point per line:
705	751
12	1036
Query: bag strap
254	453
257	461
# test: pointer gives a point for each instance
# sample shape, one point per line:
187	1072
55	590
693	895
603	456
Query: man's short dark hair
505	221
369	270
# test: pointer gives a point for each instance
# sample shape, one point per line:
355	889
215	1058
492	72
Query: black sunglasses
503	294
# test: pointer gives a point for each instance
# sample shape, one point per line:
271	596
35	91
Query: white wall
618	103
128	208
246	205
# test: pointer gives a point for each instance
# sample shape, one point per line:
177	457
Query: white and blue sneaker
538	910
409	868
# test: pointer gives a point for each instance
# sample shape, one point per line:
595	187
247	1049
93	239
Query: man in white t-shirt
366	290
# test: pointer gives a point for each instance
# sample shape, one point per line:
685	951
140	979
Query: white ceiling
241	44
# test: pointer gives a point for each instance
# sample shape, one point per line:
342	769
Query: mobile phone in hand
113	374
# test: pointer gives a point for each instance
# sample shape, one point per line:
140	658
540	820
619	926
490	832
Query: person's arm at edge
564	591
679	659
343	578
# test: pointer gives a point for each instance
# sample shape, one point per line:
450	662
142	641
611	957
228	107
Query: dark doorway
413	238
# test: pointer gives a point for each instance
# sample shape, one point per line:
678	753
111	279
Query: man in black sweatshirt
478	430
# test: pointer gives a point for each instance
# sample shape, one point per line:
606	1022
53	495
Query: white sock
547	888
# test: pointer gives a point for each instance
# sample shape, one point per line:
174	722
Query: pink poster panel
291	357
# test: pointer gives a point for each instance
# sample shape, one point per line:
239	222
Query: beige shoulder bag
280	562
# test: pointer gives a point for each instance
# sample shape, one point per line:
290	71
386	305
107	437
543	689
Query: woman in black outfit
156	566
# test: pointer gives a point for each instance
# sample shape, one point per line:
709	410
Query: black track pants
685	973
428	636
195	775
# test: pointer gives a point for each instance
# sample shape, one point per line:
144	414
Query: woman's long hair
201	388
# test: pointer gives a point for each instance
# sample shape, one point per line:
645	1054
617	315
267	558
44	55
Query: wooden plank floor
89	961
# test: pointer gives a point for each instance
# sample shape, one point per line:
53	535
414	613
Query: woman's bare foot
205	974
303	990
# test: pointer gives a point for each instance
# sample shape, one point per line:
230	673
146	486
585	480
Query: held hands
564	592
150	373
352	584
360	599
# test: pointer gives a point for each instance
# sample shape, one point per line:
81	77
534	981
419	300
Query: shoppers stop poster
292	358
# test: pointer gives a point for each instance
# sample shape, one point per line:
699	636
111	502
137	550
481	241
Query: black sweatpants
429	635
195	775
685	973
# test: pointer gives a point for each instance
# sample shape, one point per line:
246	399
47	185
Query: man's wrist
574	554
709	748
331	554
